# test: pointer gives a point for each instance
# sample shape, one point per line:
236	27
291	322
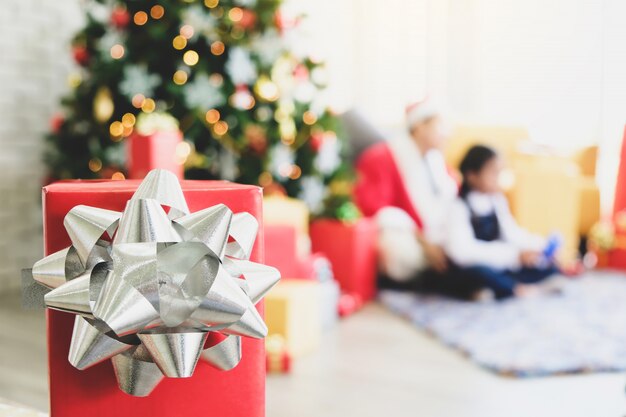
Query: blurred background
287	95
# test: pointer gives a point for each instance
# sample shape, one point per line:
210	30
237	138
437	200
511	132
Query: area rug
583	329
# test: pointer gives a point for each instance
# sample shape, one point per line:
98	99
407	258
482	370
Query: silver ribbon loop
149	284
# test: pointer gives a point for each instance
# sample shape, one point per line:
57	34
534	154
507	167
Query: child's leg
454	283
500	282
533	275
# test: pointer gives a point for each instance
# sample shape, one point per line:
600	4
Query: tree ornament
301	73
248	19
281	160
103	106
241	98
316	140
80	54
120	17
202	22
328	157
137	80
256	137
56	122
203	94
312	192
240	67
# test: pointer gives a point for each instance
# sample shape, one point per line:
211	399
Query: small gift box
103	239
280	250
293	312
351	249
285	211
159	149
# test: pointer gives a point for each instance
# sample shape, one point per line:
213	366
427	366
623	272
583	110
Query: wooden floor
372	364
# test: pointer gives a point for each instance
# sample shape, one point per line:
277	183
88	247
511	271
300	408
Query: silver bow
149	284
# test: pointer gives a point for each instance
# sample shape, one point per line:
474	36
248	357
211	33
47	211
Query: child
484	241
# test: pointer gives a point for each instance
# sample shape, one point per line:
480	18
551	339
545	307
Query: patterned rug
583	329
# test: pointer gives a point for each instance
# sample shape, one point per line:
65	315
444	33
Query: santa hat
421	110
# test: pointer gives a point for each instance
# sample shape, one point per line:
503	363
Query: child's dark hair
473	161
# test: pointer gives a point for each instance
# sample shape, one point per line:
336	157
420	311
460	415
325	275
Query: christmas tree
246	100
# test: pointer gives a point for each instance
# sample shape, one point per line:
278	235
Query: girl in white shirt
486	244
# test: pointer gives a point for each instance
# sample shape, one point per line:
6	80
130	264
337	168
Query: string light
309	117
186	31
266	89
117	51
216	79
118	176
140	18
138	100
235	14
128	120
220	128
191	58
182	152
212	116
95	165
116	129
296	172
284	170
127	131
157	11
148	105
217	48
211	3
180	77
179	42
265	179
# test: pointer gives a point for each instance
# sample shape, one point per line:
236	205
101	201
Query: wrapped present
292	310
160	149
278	357
351	249
122	290
280	250
285	211
607	242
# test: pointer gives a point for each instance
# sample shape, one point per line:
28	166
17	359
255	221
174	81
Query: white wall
34	63
557	67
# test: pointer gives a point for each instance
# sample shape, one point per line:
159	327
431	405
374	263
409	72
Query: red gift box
280	250
158	150
351	249
616	258
94	391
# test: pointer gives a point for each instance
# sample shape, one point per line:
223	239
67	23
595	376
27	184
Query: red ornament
56	122
256	137
81	55
301	73
248	19
316	140
120	17
283	22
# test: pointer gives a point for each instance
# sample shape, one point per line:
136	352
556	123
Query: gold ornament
103	105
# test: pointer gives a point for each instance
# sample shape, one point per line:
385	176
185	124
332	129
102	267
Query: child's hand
530	258
436	256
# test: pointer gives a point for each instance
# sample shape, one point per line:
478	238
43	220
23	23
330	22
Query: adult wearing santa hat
406	186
